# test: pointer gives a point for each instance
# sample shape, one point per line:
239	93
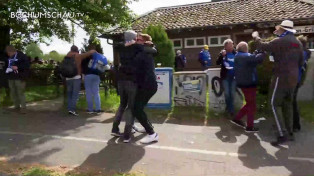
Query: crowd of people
137	83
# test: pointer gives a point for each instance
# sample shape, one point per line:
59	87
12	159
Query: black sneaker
251	130
126	140
280	140
99	111
73	113
239	123
116	134
89	112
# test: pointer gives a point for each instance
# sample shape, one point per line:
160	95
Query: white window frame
220	42
194	46
177	39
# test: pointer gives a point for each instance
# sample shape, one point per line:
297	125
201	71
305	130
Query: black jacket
23	66
245	69
220	59
145	70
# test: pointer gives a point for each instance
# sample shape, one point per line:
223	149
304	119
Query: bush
41	74
264	71
163	44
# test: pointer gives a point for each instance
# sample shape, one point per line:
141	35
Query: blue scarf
285	33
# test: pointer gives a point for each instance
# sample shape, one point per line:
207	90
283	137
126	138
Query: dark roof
222	13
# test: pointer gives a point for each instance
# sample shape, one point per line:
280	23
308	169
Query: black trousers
296	113
141	99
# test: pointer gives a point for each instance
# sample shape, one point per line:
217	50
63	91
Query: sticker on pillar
192	86
160	85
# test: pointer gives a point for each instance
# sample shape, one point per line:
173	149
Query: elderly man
17	71
226	60
179	61
246	79
288	56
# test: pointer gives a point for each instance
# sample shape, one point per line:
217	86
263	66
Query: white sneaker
126	140
149	139
139	130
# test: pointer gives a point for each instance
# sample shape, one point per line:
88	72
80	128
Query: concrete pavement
84	143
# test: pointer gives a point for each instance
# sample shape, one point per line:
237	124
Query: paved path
52	138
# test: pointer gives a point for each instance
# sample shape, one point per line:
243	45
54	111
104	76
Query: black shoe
239	123
116	134
280	140
99	111
73	113
251	130
297	129
89	112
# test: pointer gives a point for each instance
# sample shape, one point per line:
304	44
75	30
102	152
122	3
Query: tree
163	44
43	19
54	55
33	50
92	41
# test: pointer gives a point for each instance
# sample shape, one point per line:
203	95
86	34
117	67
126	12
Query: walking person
73	83
205	58
288	56
17	72
301	78
226	61
180	61
246	79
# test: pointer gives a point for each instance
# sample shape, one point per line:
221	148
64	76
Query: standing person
246	79
3	77
204	58
91	83
147	87
226	60
74	83
127	86
17	72
301	78
288	56
180	61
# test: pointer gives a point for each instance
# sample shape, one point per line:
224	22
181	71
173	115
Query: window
217	40
194	42
177	43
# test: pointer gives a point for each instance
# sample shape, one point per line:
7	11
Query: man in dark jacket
17	72
147	87
179	61
288	56
246	79
301	78
226	60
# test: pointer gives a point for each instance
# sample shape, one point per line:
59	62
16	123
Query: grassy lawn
36	171
307	110
34	93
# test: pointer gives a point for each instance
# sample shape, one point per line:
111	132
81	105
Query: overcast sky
140	7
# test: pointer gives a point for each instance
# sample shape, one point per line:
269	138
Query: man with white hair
179	61
226	60
246	79
288	56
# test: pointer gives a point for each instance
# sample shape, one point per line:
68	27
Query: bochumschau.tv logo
63	15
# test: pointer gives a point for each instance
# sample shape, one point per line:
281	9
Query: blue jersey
205	56
229	63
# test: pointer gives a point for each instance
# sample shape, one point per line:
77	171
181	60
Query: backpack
98	63
68	67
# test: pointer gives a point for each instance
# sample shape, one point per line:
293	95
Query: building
192	26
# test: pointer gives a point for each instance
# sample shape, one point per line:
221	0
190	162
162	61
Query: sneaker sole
126	141
237	124
115	135
251	131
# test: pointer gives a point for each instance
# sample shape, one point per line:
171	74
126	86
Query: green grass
34	93
36	171
109	103
307	110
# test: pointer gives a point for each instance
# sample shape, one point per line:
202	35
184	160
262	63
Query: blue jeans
92	91
229	85
73	90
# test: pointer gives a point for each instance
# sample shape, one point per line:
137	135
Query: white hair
179	52
242	47
227	41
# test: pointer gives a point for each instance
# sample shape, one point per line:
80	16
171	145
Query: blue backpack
98	63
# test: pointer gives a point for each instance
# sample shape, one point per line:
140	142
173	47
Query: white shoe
149	139
126	140
139	130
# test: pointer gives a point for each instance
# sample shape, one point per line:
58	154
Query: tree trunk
5	37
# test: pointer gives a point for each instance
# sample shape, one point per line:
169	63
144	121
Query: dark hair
74	49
